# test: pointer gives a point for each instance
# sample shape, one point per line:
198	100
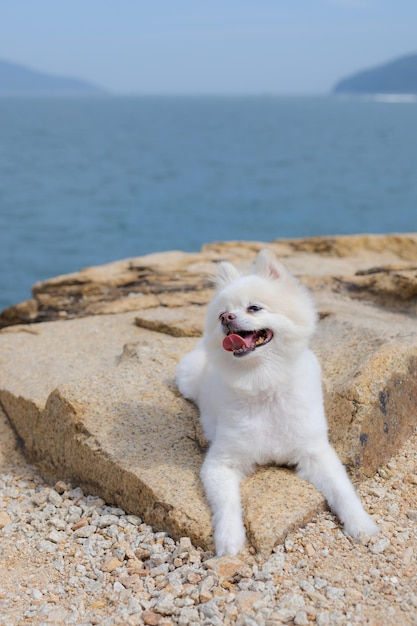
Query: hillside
18	79
395	77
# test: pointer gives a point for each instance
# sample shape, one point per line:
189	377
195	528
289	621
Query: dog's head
259	315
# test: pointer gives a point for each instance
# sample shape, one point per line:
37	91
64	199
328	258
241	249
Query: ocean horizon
93	179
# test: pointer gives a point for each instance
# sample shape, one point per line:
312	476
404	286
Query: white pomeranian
258	388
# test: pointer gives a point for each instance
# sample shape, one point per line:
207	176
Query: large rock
93	400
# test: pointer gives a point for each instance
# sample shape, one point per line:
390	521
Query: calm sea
85	181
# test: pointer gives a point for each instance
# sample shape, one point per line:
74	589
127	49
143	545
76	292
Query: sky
207	47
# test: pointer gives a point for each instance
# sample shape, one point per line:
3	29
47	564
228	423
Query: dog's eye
254	308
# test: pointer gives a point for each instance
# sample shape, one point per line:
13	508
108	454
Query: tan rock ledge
87	376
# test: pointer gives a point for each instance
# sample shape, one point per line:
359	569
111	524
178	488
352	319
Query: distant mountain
396	77
18	79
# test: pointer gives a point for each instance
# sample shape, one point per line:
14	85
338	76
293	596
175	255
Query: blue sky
212	46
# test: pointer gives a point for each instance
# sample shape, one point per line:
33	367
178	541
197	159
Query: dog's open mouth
241	342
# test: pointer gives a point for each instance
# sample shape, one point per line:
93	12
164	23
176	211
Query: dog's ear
268	266
226	274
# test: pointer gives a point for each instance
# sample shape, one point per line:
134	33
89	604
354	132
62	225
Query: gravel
69	558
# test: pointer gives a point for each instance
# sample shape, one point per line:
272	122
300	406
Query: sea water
85	181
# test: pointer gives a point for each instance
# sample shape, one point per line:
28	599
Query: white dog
258	388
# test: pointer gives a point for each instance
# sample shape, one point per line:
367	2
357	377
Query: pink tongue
234	342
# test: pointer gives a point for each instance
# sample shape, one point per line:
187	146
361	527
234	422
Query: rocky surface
87	377
68	557
378	268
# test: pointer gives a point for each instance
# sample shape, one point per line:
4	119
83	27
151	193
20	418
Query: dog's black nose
226	318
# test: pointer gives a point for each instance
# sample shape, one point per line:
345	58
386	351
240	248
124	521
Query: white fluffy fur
266	406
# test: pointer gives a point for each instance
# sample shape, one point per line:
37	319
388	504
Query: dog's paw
229	538
358	525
